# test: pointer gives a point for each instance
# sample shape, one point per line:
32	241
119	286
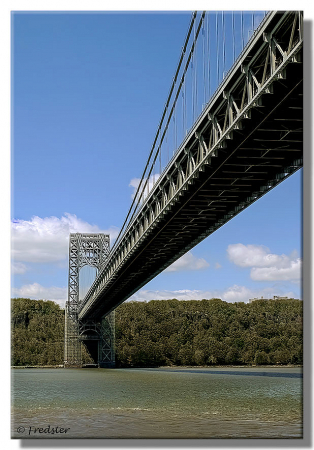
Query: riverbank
59	366
283	366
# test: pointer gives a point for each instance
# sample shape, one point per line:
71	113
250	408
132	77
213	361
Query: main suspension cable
171	112
193	18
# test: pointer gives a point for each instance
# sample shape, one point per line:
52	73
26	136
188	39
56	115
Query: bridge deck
247	141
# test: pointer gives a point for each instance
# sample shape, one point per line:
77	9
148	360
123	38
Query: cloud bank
232	294
37	292
265	266
46	240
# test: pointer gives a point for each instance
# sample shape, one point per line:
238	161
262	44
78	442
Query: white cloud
253	256
292	272
45	240
18	268
232	294
134	183
266	266
183	294
38	292
237	293
188	262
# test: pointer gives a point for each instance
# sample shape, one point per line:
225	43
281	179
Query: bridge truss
247	140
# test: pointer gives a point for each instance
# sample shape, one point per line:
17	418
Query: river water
157	403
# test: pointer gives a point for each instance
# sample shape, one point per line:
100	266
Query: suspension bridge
231	130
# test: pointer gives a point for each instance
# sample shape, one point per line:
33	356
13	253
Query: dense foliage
37	332
209	332
172	332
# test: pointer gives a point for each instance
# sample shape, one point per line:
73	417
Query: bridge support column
72	344
107	342
83	343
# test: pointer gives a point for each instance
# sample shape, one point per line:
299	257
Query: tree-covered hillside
171	332
209	332
37	332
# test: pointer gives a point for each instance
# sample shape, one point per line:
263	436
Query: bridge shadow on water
235	372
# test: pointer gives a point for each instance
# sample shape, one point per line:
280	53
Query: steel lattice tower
90	250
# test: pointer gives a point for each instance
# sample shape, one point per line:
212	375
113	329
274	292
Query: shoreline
227	366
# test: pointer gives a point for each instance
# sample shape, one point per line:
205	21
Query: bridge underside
256	159
90	343
264	147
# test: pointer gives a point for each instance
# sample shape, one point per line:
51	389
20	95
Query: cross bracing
246	141
91	250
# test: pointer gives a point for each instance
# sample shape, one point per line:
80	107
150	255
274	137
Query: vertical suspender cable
185	115
204	66
192	80
224	44
192	85
175	129
160	160
195	81
209	68
184	107
242	30
217	49
174	132
233	37
182	128
206	58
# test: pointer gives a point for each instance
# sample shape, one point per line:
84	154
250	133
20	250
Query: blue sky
88	90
